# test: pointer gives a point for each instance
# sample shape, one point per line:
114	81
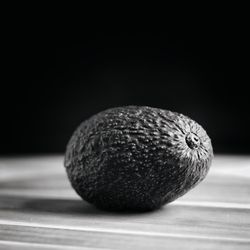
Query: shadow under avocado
58	206
74	207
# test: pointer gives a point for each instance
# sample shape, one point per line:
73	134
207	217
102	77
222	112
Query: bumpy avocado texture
137	158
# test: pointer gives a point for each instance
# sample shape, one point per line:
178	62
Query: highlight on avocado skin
137	158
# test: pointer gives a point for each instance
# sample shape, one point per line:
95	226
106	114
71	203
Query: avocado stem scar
192	140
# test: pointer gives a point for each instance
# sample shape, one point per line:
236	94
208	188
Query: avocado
137	158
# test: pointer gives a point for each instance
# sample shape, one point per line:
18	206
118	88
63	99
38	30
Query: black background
55	81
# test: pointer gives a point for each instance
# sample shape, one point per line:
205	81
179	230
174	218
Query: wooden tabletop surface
39	210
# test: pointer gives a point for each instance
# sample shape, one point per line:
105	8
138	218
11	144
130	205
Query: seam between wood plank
212	204
32	244
45	245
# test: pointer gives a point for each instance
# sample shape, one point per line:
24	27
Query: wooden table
39	210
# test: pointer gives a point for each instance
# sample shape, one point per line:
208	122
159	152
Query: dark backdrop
55	82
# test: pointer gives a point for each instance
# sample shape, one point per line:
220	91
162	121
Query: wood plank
177	219
110	240
39	207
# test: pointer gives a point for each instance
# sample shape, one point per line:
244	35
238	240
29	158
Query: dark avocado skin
137	158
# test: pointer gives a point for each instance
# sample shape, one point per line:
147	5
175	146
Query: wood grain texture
39	210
